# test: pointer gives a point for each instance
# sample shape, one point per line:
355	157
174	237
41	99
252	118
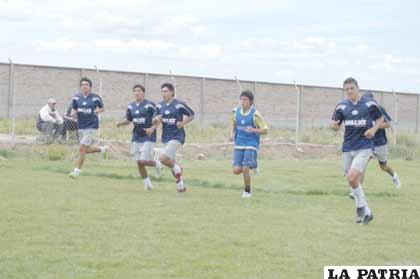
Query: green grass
211	133
104	225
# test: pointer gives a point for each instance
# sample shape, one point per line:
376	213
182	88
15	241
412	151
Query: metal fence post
381	98
301	127
100	94
146	80
417	113
395	130
12	98
298	111
202	92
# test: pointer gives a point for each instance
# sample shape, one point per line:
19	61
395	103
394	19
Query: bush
56	152
6	153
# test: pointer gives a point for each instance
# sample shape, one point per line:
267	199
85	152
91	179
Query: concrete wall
212	99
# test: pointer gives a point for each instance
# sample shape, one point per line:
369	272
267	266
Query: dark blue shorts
245	158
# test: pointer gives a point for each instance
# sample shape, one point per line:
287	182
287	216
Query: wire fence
294	108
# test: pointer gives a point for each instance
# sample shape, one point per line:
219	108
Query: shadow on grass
216	185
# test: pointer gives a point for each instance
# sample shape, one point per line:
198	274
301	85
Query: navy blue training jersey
171	114
357	118
85	107
380	136
141	114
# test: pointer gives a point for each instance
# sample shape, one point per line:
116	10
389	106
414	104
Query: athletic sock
76	170
359	196
147	181
176	168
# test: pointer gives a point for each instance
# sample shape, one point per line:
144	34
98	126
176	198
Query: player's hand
335	124
97	111
250	129
73	114
149	131
179	125
118	124
231	138
370	133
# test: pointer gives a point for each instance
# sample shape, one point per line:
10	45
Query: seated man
49	120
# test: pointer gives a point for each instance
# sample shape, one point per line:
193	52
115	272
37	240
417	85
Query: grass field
408	143
104	225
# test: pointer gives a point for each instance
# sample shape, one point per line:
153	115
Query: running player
140	113
247	126
362	117
380	142
86	106
174	115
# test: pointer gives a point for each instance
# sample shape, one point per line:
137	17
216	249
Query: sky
310	42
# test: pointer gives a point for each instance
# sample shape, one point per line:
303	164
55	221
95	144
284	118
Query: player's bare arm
370	133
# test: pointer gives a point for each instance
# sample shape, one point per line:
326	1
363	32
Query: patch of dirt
199	151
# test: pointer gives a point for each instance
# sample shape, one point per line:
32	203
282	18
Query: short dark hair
169	86
368	94
139	86
87	80
248	94
350	80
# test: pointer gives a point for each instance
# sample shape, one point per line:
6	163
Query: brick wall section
277	102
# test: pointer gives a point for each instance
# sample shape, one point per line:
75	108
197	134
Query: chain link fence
294	109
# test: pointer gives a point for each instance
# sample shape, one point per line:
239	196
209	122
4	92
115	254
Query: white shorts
142	151
171	148
88	137
381	153
357	159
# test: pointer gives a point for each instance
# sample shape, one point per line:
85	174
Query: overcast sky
312	42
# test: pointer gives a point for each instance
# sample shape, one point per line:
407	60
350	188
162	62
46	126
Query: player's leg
355	174
237	170
93	149
85	141
142	169
90	138
86	146
351	196
381	153
249	162
148	158
146	150
247	182
238	155
138	152
168	153
80	161
387	168
167	157
347	159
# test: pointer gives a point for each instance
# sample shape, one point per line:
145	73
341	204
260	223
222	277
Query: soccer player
140	113
174	115
380	142
362	118
86	106
247	126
